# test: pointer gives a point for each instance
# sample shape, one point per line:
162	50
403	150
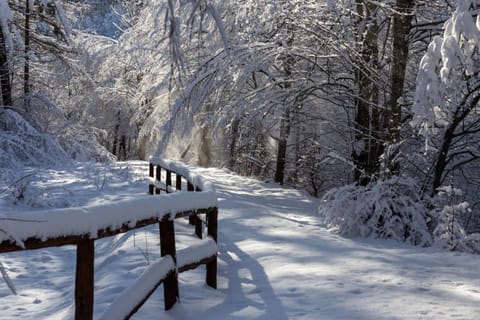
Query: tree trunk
402	19
205	148
26	40
368	147
233	144
5	84
463	110
282	147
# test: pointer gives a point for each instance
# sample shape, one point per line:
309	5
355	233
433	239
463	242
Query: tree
367	149
401	26
447	97
5	79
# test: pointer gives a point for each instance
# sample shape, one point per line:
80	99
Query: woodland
372	106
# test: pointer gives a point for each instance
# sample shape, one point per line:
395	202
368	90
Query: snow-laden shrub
79	142
449	232
23	145
449	215
82	144
474	242
389	209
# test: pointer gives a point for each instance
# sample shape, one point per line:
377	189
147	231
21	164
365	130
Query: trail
278	262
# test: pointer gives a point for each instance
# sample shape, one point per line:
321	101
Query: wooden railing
82	226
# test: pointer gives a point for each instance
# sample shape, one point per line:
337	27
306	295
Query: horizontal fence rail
83	226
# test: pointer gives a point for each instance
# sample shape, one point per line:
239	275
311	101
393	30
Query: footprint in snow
355	291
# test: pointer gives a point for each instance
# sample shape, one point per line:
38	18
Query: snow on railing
130	300
93	221
82	226
198	182
127	302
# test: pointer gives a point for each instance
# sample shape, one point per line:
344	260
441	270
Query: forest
371	106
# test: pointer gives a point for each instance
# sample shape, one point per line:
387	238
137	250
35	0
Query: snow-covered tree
447	96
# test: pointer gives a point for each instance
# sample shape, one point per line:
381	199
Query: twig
14	183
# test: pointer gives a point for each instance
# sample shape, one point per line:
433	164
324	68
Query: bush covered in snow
389	209
30	143
393	209
22	144
449	216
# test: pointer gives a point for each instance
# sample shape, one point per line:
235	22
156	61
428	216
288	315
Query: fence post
84	280
178	182
167	247
212	223
198	226
168	180
151	185
191	218
158	175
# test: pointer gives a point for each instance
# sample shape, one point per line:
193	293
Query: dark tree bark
5	84
444	154
26	40
368	146
233	144
282	148
402	20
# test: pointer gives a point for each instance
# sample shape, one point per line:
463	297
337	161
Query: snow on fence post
167	247
212	223
84	280
151	184
193	219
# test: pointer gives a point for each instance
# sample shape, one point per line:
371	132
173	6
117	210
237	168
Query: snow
88	220
184	171
276	261
443	68
132	296
196	252
6	16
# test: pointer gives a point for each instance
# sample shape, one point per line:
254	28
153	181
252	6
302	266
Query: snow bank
143	286
87	220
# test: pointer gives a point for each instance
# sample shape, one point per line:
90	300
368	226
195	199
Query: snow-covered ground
276	261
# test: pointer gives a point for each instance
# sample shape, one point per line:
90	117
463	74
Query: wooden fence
39	230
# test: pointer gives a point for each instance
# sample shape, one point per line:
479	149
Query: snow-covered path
276	261
279	263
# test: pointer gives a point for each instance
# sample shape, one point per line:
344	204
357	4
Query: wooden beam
151	186
167	247
36	243
178	182
194	265
168	180
198	226
190	188
212	224
158	177
84	280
